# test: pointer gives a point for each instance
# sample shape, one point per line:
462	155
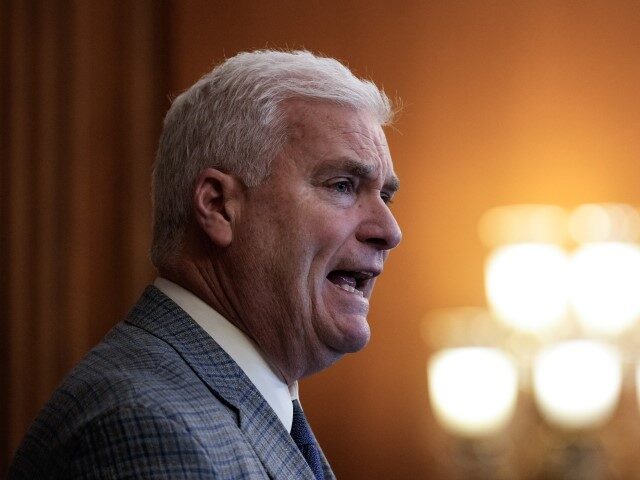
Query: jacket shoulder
130	403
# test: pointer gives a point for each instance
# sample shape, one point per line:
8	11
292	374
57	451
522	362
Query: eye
342	186
387	198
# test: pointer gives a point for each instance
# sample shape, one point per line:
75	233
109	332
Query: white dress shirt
240	348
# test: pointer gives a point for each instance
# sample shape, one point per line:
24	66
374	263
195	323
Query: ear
215	202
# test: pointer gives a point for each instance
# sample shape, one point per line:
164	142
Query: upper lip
359	273
365	274
362	275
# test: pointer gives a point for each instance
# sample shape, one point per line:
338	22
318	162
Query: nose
379	228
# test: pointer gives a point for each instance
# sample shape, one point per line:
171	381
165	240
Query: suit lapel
271	442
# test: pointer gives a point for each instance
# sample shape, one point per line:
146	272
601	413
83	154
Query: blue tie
301	434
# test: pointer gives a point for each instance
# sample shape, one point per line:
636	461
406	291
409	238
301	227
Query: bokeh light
527	223
577	383
605	287
605	222
526	285
473	390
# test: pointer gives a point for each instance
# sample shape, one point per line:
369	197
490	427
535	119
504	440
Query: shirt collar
239	347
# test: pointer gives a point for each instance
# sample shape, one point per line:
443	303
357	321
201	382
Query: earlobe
214	198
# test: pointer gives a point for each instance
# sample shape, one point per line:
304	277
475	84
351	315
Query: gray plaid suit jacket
158	398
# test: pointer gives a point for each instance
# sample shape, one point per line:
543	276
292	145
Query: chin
352	336
336	347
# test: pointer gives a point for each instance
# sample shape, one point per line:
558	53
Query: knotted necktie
301	434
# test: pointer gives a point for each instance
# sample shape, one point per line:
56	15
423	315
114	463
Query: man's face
312	238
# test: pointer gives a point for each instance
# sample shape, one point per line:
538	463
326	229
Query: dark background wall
504	102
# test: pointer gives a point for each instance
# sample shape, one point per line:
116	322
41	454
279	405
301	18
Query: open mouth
350	280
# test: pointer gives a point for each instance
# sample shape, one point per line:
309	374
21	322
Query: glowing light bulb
605	287
577	383
473	390
526	285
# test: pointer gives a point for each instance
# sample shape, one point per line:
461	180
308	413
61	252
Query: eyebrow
359	169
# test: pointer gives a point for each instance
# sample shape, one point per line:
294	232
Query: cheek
334	227
326	246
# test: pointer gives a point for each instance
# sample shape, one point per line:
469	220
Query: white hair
232	119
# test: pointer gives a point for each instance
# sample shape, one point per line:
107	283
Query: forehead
324	133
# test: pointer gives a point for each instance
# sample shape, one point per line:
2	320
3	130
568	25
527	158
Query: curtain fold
82	95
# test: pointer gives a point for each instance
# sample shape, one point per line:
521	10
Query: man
271	223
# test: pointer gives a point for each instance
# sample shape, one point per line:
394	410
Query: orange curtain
82	94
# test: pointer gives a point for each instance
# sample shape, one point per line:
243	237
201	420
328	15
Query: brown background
504	102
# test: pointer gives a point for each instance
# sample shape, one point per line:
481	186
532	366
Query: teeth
349	288
350	280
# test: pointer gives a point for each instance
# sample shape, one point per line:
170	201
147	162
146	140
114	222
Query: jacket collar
161	317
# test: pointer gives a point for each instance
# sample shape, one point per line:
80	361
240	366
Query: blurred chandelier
563	295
